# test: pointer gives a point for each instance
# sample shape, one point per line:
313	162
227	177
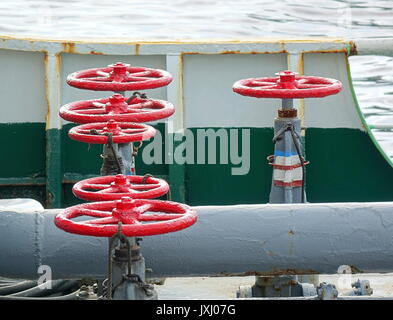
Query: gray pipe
373	46
226	240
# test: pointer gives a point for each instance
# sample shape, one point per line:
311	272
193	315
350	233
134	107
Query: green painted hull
344	166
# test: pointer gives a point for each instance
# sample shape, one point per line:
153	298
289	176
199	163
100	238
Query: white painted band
288	175
286	161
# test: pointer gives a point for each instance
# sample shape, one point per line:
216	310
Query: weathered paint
205	73
372	46
226	241
52	63
176	171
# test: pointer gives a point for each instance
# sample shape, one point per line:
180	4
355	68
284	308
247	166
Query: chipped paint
114	46
302	109
234	52
95	52
180	41
137	48
352	48
46	81
57	58
278	272
69	47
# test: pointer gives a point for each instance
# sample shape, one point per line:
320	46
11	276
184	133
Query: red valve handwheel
117	108
123	132
139	217
119	77
116	187
287	86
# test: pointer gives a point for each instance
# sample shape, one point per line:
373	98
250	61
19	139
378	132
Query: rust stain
291	232
268	273
46	84
230	52
95	52
69	47
235	52
344	50
190	41
352	49
137	48
302	108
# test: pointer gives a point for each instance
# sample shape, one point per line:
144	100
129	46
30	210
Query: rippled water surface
225	20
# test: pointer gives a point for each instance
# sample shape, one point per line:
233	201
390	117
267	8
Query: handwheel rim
94	79
83	133
75	111
187	217
299	87
159	188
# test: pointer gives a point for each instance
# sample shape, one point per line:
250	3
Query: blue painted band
285	153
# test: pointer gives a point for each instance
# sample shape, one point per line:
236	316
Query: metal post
287	178
126	153
127	272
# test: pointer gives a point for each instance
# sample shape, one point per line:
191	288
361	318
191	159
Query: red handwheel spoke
107	190
159	217
310	86
98	132
133	78
108	220
268	87
117	108
98	104
141	74
134	215
115	187
144	187
262	84
96	186
92	111
103	74
145	104
119	77
94	213
103	79
137	130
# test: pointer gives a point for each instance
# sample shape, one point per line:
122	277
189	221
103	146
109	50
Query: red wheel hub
138	217
116	187
121	132
117	108
287	86
119	77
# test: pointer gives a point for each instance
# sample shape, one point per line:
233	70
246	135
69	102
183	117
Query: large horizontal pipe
373	46
226	240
